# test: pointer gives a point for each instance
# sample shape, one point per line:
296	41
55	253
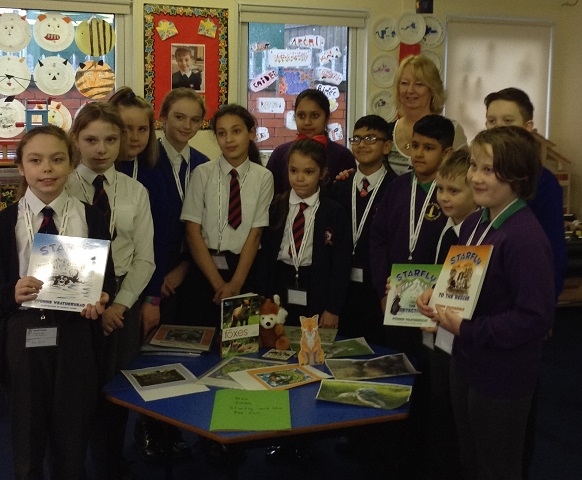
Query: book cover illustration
183	337
407	282
461	278
351	347
240	325
379	367
326	335
71	269
9	182
219	376
364	394
280	377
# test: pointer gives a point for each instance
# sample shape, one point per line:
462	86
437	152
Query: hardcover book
407	282
240	325
182	338
461	278
279	377
71	269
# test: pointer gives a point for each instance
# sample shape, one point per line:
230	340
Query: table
193	412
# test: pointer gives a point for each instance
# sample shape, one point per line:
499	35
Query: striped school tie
100	198
365	185
48	222
182	173
299	227
234	202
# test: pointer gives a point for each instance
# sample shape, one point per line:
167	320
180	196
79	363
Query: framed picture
186	47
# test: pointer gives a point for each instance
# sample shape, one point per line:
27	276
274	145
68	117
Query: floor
558	455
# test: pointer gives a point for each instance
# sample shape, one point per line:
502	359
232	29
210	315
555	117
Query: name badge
41	337
444	340
297	297
220	262
428	339
357	275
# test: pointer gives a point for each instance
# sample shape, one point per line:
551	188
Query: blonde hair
425	71
178	94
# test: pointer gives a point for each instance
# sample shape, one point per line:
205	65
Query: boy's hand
328	320
92	312
422	304
26	289
112	318
344	175
149	316
174	279
449	320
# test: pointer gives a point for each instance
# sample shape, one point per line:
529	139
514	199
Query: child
497	353
360	196
185	77
142	157
312	277
98	133
53	389
225	210
312	112
409	221
182	112
512	106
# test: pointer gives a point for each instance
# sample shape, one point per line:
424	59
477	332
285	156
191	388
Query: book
71	269
218	376
184	338
407	282
239	325
236	410
279	377
364	394
164	381
461	279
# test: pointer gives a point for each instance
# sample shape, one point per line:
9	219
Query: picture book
181	338
240	325
364	394
384	366
164	381
461	278
218	376
71	269
279	377
407	282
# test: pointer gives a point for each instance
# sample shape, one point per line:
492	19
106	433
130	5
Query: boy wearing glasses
360	194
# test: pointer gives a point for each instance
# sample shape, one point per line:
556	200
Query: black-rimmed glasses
368	139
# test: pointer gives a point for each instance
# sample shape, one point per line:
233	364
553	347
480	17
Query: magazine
364	394
384	366
240	325
181	338
280	377
407	282
71	269
218	376
461	279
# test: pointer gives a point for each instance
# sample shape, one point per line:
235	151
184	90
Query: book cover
218	376
71	269
239	325
183	337
407	282
461	278
280	377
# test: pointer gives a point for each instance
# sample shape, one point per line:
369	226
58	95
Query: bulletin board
204	33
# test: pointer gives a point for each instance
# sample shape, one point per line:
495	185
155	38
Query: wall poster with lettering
186	47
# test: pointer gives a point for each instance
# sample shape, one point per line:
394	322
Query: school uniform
324	270
362	315
53	390
339	158
191	80
497	356
206	203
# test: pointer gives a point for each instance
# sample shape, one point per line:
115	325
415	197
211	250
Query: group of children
187	233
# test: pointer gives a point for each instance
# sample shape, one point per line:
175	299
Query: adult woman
419	92
312	113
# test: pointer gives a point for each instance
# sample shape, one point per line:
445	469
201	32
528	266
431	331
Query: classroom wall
566	98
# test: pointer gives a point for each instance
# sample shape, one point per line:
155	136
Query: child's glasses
368	139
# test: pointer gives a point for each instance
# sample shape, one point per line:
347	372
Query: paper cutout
59	115
94	79
299	57
95	37
328	75
15	32
270	105
207	28
335	132
12	118
54	32
54	75
309	41
262	134
329	55
14	75
263	80
166	29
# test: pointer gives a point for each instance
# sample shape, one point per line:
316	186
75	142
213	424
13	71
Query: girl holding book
497	353
225	210
53	389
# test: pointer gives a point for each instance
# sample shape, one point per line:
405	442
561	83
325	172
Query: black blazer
331	259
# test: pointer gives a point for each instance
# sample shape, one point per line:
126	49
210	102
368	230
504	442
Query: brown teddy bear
271	330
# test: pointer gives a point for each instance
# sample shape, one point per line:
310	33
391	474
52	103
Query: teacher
419	92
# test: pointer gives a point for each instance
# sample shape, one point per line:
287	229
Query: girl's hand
112	318
92	312
228	289
26	289
422	304
449	320
328	320
149	316
388	286
174	279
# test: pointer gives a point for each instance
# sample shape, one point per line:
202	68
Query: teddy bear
271	331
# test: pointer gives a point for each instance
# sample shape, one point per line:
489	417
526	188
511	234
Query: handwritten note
236	410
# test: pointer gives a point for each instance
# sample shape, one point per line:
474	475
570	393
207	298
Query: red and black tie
100	198
234	202
182	173
299	227
365	185
48	223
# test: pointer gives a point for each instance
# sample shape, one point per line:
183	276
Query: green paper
249	410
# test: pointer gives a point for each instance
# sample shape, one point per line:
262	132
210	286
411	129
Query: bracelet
155	301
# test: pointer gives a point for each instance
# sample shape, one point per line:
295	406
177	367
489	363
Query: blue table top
193	412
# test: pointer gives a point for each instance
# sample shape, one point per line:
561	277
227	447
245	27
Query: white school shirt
294	201
76	222
374	178
174	155
210	184
133	246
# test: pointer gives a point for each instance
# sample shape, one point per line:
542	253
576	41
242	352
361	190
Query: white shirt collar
226	167
173	154
36	205
295	199
89	175
373	179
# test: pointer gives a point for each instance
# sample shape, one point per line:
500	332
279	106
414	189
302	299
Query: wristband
155	301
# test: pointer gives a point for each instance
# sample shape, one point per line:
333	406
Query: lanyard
177	178
357	229
415	230
135	169
488	226
222	224
28	219
112	201
298	256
